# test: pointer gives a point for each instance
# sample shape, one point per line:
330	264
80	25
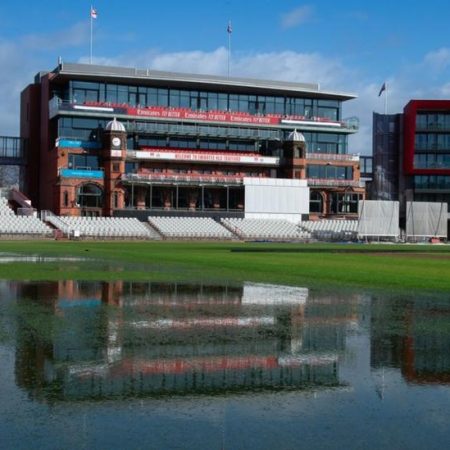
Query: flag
229	28
93	13
383	88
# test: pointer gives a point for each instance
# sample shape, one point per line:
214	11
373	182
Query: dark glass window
83	162
90	196
315	202
329	172
344	203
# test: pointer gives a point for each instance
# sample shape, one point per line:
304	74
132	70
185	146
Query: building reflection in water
101	340
412	335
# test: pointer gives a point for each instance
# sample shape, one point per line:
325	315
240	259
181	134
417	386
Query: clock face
116	142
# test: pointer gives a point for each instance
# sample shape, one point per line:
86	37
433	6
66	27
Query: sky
351	46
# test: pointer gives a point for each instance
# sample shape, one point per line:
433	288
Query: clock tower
114	155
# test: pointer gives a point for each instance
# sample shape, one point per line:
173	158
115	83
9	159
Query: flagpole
90	54
385	98
229	30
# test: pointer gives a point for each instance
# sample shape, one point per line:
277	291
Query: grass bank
394	267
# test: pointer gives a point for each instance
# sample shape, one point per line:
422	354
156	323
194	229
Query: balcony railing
334	183
182	179
332	157
208	116
202	156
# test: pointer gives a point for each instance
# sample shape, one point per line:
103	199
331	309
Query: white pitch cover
276	198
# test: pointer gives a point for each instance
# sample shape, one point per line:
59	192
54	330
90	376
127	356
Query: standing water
157	365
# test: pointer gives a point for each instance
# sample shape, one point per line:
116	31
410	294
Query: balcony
317	182
331	157
174	179
203	157
187	115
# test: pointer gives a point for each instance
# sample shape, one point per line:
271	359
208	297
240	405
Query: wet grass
394	267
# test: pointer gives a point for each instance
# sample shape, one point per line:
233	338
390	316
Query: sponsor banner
319	123
206	157
78	173
93	108
209	116
116	153
74	143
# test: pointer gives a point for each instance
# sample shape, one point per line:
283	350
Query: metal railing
334	183
332	157
171	178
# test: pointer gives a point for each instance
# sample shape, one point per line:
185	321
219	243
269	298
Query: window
344	203
315	202
329	172
66	199
83	162
90	196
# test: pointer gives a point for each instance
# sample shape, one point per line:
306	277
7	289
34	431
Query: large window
330	143
315	202
432	182
83	162
80	128
90	196
80	91
432	160
344	203
322	172
433	121
432	142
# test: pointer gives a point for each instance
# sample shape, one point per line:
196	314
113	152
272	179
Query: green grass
393	267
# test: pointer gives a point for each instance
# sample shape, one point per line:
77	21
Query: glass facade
222	137
331	143
81	91
432	161
435	182
323	172
433	121
10	147
432	142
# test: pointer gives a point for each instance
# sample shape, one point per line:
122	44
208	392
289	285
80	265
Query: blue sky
350	46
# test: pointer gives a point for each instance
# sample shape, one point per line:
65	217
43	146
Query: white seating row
337	229
5	210
273	229
23	225
104	227
190	227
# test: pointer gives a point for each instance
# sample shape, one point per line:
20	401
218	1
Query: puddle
208	365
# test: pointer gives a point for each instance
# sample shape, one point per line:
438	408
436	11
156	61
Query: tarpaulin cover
426	219
378	218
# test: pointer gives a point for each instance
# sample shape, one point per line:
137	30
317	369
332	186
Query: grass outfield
395	267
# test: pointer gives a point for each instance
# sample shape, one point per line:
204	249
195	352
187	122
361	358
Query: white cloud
20	61
74	36
16	73
296	17
438	60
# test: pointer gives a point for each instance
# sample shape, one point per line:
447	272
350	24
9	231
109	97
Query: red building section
411	129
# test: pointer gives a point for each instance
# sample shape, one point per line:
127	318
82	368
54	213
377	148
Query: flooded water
182	366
